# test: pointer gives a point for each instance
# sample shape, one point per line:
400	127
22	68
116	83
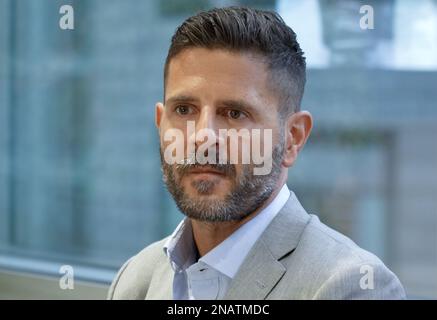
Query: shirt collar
228	256
180	247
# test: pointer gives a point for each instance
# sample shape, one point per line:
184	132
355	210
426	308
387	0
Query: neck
208	235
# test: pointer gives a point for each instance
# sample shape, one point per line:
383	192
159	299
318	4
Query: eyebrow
181	98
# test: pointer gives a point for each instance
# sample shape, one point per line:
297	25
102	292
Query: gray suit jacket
297	257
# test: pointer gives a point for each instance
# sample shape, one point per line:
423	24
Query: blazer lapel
257	275
262	269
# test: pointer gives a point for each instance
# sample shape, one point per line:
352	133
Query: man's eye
183	110
235	114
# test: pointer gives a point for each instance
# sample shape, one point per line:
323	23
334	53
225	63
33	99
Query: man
245	235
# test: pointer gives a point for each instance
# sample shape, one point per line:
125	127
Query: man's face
218	90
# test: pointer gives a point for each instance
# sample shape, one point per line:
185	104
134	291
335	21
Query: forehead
213	73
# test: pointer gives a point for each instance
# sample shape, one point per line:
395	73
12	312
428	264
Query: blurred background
80	179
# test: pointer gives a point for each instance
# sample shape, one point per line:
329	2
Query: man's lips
205	171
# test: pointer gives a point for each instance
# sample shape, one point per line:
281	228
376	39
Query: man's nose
206	127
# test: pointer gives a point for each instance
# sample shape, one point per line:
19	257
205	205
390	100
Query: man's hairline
251	53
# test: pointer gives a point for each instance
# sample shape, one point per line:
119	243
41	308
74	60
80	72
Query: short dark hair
245	29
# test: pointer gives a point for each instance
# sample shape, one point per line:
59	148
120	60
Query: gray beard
248	194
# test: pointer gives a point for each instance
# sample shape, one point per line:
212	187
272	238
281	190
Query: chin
212	191
205	186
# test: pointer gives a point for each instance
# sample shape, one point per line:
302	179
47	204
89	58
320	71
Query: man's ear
159	111
298	128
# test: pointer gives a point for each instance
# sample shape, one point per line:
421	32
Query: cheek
173	146
239	171
238	149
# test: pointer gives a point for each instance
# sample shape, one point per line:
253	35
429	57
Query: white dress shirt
208	278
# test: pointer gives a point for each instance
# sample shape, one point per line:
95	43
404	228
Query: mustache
200	162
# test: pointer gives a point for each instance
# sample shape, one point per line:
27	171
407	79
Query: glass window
80	179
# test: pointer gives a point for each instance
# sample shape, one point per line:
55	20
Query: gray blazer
296	257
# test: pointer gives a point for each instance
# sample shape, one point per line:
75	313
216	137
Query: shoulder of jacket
133	278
